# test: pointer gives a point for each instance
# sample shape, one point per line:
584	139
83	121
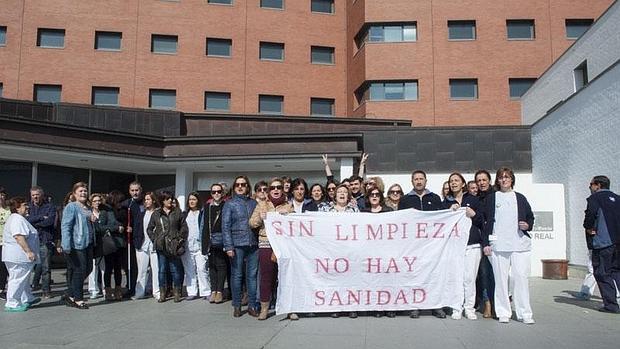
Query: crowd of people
221	241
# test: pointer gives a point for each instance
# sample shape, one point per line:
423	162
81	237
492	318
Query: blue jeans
250	255
606	263
42	271
171	265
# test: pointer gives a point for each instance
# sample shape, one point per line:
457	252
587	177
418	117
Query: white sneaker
504	320
94	295
456	315
529	321
471	315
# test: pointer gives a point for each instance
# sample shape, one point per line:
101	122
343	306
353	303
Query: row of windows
320	6
460	89
516	29
166	99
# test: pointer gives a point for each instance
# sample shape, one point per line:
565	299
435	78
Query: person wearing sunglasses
276	202
240	244
395	192
330	189
260	191
219	264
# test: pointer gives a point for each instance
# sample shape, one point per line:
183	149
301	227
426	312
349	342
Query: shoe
252	312
3	295
264	311
471	315
353	315
529	321
108	294
439	313
236	312
82	305
46	295
68	301
219	297
335	315
177	294
606	310
33	302
92	295
414	314
293	317
162	295
212	298
190	298
118	293
582	296
456	315
487	312
391	314
18	309
35	287
504	320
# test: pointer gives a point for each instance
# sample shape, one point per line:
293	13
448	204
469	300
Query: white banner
402	260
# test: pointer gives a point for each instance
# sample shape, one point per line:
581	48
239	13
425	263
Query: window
580	75
461	30
464	89
219	47
271	51
393	90
221	2
51	38
322	106
2	35
322	55
279	4
518	86
219	101
520	29
164	43
268	104
104	95
322	6
1	88
576	27
108	41
387	32
162	99
47	93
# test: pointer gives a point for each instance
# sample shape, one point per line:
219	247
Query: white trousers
473	254
196	273
18	290
145	259
96	276
519	265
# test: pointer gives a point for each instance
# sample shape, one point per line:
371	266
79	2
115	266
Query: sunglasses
241	185
398	192
331	189
276	187
216	192
262	189
375	195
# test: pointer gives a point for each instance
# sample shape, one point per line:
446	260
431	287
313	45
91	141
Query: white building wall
600	46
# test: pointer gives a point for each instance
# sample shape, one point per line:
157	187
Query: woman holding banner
509	218
342	203
459	197
267	267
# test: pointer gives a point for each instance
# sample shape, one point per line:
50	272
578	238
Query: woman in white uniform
508	244
20	252
146	254
194	262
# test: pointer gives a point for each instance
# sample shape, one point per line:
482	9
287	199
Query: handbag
174	246
108	243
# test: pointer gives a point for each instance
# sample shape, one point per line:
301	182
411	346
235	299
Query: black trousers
606	263
219	267
79	265
4	273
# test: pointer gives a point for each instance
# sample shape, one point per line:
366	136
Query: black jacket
524	213
603	215
136	208
428	202
477	222
162	225
212	228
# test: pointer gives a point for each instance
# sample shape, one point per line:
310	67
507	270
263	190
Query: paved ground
562	322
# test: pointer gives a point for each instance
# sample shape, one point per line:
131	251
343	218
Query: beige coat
256	221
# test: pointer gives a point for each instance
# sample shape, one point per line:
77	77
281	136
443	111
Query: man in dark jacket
602	224
421	199
133	212
42	216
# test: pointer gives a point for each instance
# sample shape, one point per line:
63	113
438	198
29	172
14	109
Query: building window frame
219	41
375	33
38	89
580	24
110	34
216	94
3	33
162	93
221	2
41	32
516	24
330	101
264	100
274	45
323	2
104	89
265	4
515	89
580	76
315	54
165	37
454	24
456	83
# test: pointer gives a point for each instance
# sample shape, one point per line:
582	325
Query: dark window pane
323	6
321	106
520	29
1	89
576	27
461	30
270	104
51	38
108	40
217	101
272	51
272	3
162	99
519	86
322	54
157	183
105	182
164	43
2	35
47	93
16	177
463	88
225	2
57	181
105	96
219	47
580	75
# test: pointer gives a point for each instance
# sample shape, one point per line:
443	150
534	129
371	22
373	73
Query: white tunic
193	239
147	245
507	235
11	251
